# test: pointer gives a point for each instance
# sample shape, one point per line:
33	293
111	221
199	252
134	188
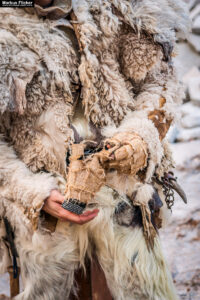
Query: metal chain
168	191
169	195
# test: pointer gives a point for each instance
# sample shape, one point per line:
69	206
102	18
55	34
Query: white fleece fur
132	271
19	184
139	123
158	17
46	63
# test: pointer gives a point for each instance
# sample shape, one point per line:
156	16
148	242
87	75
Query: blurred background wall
181	239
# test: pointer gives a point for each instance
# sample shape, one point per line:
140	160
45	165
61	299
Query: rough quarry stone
191	121
185	152
192	4
195	12
189	109
194	41
188	134
181	238
191	81
192	73
186	60
194	90
189	126
196	25
190	115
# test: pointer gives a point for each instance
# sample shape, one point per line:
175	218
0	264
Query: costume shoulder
124	43
31	45
162	18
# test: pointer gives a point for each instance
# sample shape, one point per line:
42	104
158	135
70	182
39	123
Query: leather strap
77	30
14	282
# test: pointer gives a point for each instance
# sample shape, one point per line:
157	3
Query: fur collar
105	26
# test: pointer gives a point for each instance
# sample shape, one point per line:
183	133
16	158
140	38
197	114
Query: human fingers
87	218
56	196
52	207
89	212
96	210
66	215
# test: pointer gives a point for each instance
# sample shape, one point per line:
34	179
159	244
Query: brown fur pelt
52	94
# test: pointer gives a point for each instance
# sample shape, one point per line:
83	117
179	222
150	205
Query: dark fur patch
167	50
155	204
128	214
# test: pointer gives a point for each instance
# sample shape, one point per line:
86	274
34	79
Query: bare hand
53	207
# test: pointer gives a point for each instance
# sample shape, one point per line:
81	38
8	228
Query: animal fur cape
126	73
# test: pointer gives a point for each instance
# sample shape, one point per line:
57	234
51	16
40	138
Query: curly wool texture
161	83
105	94
162	18
45	63
128	40
44	139
20	185
101	32
23	64
51	46
138	55
112	94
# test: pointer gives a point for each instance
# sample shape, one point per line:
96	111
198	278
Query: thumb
59	198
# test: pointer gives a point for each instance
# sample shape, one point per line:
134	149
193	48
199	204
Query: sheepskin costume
56	90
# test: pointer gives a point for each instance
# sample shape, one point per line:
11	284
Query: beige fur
138	122
121	82
46	66
19	184
132	271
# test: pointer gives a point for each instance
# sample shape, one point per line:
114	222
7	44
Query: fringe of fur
160	18
109	73
48	264
132	271
19	184
106	103
48	261
51	46
45	66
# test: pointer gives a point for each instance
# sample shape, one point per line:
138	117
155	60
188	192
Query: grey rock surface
186	60
188	134
194	90
195	11
196	24
194	41
4	284
181	238
191	121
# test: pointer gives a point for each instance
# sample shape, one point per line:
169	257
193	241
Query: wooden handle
14	282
